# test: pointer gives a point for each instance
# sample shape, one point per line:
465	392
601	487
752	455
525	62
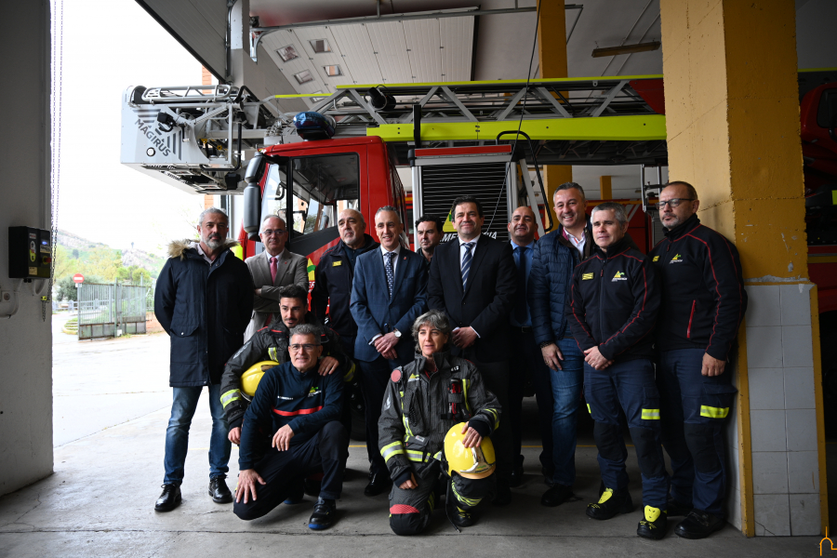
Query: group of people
443	342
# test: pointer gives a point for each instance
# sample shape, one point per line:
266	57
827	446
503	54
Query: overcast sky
108	46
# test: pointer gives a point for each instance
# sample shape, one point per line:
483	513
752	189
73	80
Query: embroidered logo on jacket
336	263
315	390
586	276
676	259
656	258
620	276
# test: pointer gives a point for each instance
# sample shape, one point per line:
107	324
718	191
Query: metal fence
111	310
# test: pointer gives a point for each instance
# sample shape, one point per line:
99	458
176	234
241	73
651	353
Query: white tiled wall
783	424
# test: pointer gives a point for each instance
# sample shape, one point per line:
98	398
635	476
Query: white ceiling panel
391	51
424	43
354	43
318	60
458	47
278	40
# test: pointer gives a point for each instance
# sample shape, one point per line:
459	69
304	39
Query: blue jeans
566	397
184	403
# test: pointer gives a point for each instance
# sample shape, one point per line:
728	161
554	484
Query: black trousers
328	450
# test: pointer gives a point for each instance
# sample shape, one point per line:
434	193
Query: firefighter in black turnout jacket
612	310
271	343
423	401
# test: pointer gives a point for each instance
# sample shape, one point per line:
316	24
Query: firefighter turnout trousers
410	510
629	385
694	408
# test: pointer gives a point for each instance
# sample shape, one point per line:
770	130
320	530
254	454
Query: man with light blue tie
389	291
527	363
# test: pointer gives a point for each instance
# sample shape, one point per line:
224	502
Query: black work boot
653	524
324	514
219	491
169	499
611	503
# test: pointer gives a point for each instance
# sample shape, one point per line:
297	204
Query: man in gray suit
274	268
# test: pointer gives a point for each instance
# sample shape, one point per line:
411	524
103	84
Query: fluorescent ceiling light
320	45
287	53
625	49
303	77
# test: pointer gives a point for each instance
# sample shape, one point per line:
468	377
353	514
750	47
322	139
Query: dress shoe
458	516
653	524
698	525
502	496
611	503
219	491
556	495
324	514
169	499
675	508
378	484
296	493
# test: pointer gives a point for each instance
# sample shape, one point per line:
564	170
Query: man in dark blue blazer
478	307
389	291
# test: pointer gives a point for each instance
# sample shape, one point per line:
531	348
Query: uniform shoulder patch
656	258
586	276
396	375
336	263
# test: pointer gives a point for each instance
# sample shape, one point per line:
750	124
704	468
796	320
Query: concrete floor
108	468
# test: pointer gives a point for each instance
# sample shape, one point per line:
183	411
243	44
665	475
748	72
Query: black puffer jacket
614	302
205	309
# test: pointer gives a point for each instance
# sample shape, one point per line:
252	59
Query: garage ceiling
482	47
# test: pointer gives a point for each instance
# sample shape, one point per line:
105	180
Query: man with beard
203	300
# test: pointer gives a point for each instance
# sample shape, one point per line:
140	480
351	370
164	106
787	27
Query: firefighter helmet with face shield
472	463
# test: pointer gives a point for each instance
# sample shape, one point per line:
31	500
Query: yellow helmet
471	463
251	377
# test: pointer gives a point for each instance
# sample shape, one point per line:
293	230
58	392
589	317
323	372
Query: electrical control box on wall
30	253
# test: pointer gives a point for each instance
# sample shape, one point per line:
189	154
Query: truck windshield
323	186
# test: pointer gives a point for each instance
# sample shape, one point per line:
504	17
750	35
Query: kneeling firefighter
436	408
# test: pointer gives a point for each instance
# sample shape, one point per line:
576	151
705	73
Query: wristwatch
397	333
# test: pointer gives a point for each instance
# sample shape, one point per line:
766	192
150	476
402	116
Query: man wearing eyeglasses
273	269
301	409
702	306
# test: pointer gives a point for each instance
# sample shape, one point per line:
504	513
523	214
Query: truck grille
441	184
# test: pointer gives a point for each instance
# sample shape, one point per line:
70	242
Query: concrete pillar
733	132
605	187
552	55
26	334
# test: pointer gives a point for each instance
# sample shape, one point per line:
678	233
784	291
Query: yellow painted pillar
605	187
732	116
552	56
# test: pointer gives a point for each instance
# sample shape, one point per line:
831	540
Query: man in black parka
203	299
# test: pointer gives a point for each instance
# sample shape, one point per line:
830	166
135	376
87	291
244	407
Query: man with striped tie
473	280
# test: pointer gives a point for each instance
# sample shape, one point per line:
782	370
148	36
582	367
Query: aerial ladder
200	138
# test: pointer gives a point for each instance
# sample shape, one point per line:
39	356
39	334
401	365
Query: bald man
334	274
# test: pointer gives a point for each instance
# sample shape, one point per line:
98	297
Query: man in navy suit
389	291
473	279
